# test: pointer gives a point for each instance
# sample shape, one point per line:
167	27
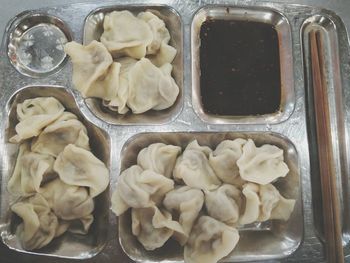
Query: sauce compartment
242	65
68	245
35	44
261	241
93	30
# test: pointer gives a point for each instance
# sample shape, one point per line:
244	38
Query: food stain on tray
240	68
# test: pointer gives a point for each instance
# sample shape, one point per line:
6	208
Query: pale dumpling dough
223	161
30	171
153	227
125	34
159	158
252	204
39	226
166	54
159	31
94	72
210	241
77	166
68	202
56	136
261	165
150	87
264	202
34	115
224	203
273	204
187	202
138	189
194	169
118	103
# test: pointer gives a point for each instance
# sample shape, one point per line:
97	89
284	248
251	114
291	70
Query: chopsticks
331	210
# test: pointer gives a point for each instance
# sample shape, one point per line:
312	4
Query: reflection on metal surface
35	44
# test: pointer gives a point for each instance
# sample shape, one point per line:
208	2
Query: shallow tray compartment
68	245
245	14
35	44
262	241
331	30
93	30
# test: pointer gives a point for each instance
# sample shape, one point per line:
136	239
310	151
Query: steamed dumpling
165	55
224	203
125	34
138	189
94	72
159	50
39	226
30	171
153	227
68	202
194	169
55	137
34	115
210	241
187	202
118	103
159	31
261	165
273	204
223	161
159	158
252	204
264	202
77	166
150	87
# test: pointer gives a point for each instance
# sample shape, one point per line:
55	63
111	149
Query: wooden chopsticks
331	210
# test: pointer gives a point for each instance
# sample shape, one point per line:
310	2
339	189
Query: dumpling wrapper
68	202
137	188
150	87
187	202
261	165
210	241
31	170
159	31
125	34
77	166
223	161
194	169
273	204
34	115
56	136
94	72
252	204
40	224
224	204
159	158
153	227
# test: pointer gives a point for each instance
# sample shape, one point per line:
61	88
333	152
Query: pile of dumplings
130	69
56	176
200	196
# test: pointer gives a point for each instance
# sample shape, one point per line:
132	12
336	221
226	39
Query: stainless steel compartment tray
268	240
294	128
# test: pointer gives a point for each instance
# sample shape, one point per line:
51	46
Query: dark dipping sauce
240	68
